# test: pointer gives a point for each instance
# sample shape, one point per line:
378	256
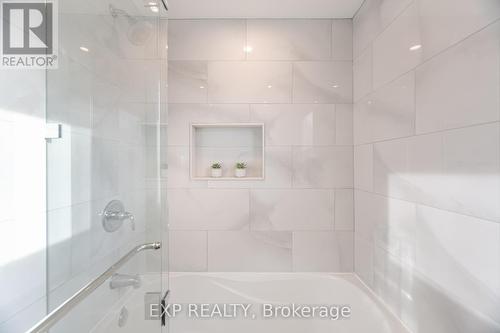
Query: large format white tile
188	251
458	170
206	39
289	39
454	251
344	210
342	39
322	82
344	124
363	167
372	18
323	167
387	113
391	174
187	82
249	82
392	50
461	86
292	209
446	22
315	251
202	209
178	169
296	124
235	251
181	116
363	75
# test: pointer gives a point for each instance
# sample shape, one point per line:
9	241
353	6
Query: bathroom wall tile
363	167
235	251
460	87
363	73
458	170
249	82
472	167
443	258
388	223
322	167
181	116
391	171
344	210
289	39
342	40
363	258
202	209
178	169
21	104
446	22
206	39
292	209
187	82
296	124
322	251
372	18
59	234
278	172
387	113
392	54
343	124
188	251
322	82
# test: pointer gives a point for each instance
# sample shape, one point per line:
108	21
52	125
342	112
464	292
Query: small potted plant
216	170
241	169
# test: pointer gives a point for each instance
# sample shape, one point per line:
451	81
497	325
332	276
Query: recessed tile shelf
227	143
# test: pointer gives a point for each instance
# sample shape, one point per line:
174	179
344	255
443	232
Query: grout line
427	133
417	203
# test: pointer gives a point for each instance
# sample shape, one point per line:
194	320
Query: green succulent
241	165
217	166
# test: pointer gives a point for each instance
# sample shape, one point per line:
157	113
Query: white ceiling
263	8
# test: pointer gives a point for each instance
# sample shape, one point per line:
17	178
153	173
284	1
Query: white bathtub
368	314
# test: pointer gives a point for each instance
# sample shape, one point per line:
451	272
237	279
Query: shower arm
52	318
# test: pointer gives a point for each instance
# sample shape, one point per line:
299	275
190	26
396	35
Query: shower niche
227	144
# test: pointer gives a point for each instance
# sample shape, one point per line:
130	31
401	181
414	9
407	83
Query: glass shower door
105	102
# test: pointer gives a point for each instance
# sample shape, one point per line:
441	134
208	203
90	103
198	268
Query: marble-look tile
25	319
445	257
344	210
363	258
391	174
188	251
181	116
472	170
363	73
236	251
296	124
342	40
458	170
322	167
344	124
393	50
278	172
388	223
323	251
322	82
289	39
460	86
187	82
22	95
249	82
178	169
202	209
363	167
372	18
206	39
292	209
446	22
387	113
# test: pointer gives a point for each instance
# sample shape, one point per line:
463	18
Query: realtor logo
29	34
